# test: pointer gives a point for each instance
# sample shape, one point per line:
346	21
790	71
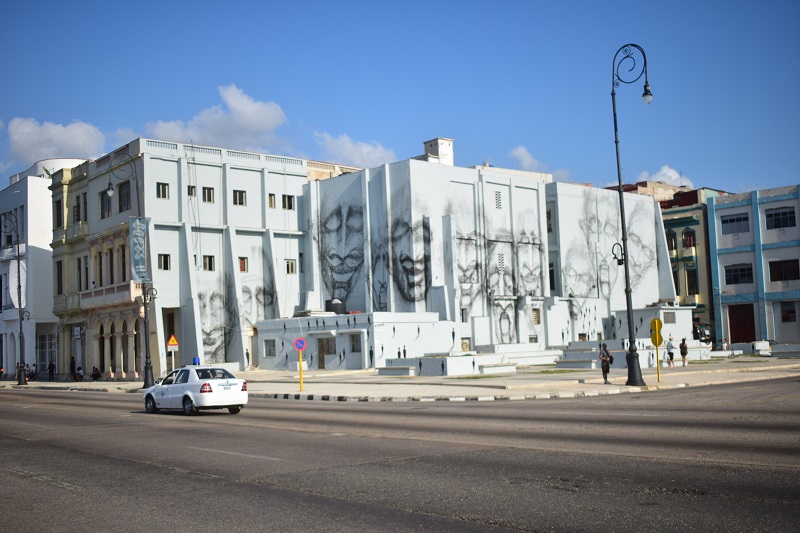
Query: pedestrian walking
684	350
605	363
670	351
51	370
72	367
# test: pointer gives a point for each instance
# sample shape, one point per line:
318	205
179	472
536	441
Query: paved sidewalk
529	383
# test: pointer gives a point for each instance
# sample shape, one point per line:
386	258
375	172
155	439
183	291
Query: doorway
325	346
742	323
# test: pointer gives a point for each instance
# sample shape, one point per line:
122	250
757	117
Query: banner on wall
138	245
17	277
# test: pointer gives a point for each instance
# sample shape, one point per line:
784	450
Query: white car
197	387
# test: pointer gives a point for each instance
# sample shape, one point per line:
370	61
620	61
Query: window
671	240
242	264
498	200
464	315
85	271
269	348
123	262
105	205
288	201
691	281
302	269
76	211
738	274
788	312
208	195
536	316
239	197
355	343
85	209
111	267
59	277
99	261
124	197
549	221
79	271
58	214
272	201
191	190
164	262
669	317
208	262
783	217
785	270
688	238
290	266
735	224
162	190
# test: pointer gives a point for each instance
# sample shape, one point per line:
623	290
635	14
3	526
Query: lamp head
110	190
647	96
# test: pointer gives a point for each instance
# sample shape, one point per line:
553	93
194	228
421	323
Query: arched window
688	238
671	240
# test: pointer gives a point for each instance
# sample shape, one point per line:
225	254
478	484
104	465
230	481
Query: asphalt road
724	458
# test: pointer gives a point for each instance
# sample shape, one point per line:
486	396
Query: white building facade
25	213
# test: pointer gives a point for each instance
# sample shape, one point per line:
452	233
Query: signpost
172	347
655	336
300	345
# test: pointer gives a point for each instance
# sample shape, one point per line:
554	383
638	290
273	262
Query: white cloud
344	150
525	160
124	135
241	122
667	175
31	141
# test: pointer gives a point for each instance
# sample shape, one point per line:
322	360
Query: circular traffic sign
300	344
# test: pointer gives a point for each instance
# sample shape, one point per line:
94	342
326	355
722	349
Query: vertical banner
16	276
138	245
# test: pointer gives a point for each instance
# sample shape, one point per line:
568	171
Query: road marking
236	453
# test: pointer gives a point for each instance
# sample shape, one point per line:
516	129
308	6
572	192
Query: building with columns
25	234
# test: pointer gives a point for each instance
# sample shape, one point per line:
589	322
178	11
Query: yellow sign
172	344
655	327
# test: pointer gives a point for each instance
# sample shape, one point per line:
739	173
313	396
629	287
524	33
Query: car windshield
214	373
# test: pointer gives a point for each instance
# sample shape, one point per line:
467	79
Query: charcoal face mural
500	280
380	276
341	249
218	316
411	258
258	293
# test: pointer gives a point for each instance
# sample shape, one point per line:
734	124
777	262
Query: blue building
755	255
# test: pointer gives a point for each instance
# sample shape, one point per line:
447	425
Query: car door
179	388
164	389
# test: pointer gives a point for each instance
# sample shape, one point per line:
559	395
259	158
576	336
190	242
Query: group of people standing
606	359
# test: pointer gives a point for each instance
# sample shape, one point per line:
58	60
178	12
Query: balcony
689	253
693	299
77	230
673	255
110	296
9	252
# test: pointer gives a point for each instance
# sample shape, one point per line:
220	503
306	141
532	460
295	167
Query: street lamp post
633	74
10	223
148	294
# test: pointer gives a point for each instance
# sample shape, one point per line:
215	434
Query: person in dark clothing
605	363
51	370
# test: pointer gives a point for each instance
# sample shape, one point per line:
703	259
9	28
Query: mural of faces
218	316
467	271
258	293
380	278
411	259
341	243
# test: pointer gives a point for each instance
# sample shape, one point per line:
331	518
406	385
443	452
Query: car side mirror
158	382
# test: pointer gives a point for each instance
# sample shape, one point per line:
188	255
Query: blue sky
518	84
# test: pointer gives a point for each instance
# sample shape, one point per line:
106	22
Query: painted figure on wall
219	316
258	292
341	248
411	258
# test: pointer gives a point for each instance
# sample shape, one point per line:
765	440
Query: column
130	362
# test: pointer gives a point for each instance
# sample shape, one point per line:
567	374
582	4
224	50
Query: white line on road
237	454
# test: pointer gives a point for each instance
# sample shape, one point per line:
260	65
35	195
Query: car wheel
234	410
188	407
150	405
